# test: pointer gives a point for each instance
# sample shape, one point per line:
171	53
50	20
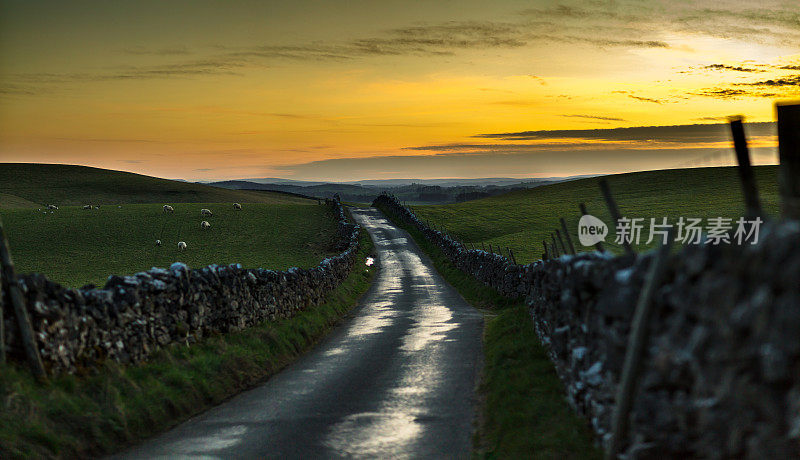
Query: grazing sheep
87	206
204	225
237	206
52	206
205	212
158	242
182	245
168	208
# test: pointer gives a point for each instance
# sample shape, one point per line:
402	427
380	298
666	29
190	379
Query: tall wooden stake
599	244
637	343
789	152
511	253
546	249
566	235
746	176
561	242
25	328
2	322
614	211
555	246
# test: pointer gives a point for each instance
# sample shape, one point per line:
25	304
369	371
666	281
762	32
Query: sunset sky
335	90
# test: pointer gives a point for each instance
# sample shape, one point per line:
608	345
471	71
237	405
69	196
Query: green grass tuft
84	416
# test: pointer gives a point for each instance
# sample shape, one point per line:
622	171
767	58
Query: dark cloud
594	117
142	51
499	164
695	133
731	67
723	93
645	99
792	82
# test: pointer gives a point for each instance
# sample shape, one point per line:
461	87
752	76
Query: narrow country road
396	379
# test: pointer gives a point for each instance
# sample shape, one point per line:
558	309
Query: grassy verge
524	412
80	416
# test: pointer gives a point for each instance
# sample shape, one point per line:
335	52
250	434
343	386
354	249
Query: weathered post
599	244
15	296
491	251
745	169
637	343
546	249
556	252
566	235
789	153
2	323
483	247
614	211
561	242
511	253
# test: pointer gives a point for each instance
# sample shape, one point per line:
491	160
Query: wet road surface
396	379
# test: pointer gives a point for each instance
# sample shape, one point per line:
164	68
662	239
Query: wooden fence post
511	253
566	235
614	211
637	343
745	169
546	249
561	242
491	251
2	322
25	328
599	244
789	152
556	252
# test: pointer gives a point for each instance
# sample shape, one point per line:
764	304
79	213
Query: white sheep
204	225
205	212
168	208
237	206
52	206
87	206
182	245
158	242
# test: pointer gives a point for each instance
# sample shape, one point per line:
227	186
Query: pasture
73	246
35	185
521	220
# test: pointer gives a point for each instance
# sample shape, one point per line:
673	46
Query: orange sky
322	90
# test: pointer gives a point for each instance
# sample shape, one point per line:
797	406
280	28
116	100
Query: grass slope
524	412
521	220
74	246
76	417
65	185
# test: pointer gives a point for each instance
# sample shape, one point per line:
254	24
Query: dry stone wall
721	376
132	316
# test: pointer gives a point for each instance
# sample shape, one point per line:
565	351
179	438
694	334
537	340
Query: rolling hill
522	219
31	185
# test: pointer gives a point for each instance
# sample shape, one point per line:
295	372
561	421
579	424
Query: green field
35	185
521	220
74	246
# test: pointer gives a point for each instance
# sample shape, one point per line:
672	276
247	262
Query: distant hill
31	185
432	191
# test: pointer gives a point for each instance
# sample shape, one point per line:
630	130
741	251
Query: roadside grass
524	411
73	246
34	185
79	416
522	219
